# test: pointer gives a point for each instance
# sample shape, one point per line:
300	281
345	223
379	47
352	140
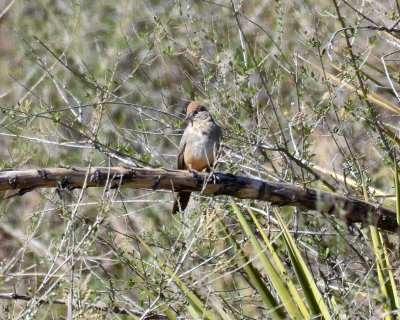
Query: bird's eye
195	112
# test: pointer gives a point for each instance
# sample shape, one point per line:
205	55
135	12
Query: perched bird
198	146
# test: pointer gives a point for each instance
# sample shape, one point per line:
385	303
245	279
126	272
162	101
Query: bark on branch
282	194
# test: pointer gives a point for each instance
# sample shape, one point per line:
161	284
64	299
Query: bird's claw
195	175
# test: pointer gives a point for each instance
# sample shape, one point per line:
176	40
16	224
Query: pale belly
199	152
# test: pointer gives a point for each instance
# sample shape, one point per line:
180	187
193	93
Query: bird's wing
181	160
182	146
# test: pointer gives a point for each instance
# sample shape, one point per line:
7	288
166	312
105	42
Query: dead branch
283	194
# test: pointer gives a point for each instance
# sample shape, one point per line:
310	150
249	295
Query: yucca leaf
384	270
292	288
314	298
278	283
397	185
257	281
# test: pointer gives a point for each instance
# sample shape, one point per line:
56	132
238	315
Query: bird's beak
188	117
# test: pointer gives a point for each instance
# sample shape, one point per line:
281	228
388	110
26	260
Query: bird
198	147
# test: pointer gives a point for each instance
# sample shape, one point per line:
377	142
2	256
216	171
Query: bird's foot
196	177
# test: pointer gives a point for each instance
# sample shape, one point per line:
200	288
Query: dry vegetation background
104	83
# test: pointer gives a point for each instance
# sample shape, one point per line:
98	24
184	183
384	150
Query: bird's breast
200	148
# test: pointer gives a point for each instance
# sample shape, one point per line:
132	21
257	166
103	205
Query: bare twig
374	28
99	307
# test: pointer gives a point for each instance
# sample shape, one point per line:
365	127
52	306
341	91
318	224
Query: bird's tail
181	202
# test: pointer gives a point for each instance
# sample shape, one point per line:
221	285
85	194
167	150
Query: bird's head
196	111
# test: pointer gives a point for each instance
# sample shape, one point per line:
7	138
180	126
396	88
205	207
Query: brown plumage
198	146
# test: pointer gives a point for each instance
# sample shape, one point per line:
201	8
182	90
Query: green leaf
283	272
257	281
314	298
278	283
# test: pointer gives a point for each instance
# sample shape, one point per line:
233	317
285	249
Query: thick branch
346	208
